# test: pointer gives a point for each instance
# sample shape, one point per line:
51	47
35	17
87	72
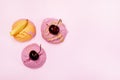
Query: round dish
23	30
33	56
53	30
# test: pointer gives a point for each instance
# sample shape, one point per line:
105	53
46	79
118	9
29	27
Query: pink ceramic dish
33	56
53	30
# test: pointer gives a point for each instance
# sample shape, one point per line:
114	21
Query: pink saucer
33	56
53	30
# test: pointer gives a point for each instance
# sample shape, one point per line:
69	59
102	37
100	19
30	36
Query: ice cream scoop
33	56
53	30
23	30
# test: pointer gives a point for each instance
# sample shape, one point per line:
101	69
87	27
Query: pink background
91	50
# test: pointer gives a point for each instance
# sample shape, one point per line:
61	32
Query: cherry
53	29
34	55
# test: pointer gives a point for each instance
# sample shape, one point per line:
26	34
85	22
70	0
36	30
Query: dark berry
33	55
53	29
